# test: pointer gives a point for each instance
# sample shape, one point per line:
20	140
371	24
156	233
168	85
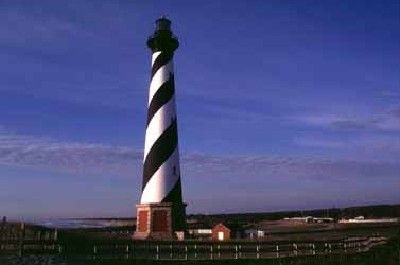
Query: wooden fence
21	241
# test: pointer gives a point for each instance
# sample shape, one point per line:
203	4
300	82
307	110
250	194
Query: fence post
157	252
38	235
127	252
55	235
236	251
2	231
21	239
195	251
277	251
170	248
186	252
94	251
313	249
211	252
258	251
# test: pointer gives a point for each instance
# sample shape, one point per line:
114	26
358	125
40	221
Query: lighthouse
161	211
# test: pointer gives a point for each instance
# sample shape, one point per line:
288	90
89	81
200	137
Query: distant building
309	220
253	233
321	220
362	220
304	220
199	231
220	233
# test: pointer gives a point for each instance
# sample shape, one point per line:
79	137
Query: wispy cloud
386	120
249	182
42	152
86	157
366	147
252	183
19	27
289	167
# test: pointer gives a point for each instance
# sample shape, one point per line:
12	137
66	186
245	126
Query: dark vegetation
336	213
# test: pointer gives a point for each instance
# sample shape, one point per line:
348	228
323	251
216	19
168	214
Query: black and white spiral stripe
161	171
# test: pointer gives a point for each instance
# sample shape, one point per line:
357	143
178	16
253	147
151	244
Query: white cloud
86	157
42	152
384	120
258	181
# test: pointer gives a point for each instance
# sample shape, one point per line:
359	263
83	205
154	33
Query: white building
254	233
362	220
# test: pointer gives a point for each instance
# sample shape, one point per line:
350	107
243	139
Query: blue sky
281	104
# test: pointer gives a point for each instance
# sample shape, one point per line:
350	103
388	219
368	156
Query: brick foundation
154	221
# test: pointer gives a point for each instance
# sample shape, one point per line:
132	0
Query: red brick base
154	221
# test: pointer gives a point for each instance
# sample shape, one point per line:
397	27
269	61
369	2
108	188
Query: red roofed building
220	233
